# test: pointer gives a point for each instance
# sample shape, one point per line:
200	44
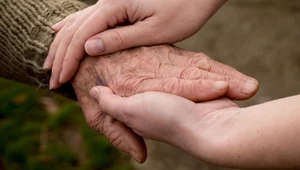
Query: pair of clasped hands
160	92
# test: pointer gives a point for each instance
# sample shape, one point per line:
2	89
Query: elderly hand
150	23
159	68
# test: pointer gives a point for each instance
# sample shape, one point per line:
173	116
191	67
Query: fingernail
94	92
56	25
46	65
62	77
135	156
51	84
249	86
94	47
220	85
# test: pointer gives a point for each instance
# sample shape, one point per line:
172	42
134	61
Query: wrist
210	136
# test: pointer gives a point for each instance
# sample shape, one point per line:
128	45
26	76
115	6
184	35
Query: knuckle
115	138
119	88
117	39
111	6
201	55
194	61
116	85
105	125
97	122
125	85
199	88
68	34
71	18
170	85
77	36
199	61
192	73
208	64
66	60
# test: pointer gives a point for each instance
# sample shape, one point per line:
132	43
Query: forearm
26	34
261	136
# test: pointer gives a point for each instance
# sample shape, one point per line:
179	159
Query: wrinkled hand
150	23
159	68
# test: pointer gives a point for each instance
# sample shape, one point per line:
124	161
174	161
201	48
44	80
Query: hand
262	136
125	71
169	69
171	119
150	22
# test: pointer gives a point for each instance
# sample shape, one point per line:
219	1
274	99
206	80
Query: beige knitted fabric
26	34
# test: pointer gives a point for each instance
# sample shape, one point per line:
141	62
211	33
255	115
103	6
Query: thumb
111	104
122	137
121	38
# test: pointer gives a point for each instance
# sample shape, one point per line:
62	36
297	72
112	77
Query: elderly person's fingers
122	137
195	90
240	86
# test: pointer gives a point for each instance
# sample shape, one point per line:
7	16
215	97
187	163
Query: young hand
150	22
168	118
263	136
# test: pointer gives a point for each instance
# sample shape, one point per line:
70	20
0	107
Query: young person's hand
263	136
170	119
149	22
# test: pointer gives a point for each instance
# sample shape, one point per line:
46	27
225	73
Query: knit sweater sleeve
25	37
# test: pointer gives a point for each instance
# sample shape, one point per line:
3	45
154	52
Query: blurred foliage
33	138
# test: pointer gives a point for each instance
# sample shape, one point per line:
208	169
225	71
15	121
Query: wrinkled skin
159	68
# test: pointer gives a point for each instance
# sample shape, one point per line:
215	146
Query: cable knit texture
26	35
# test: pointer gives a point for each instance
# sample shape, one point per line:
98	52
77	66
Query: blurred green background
40	131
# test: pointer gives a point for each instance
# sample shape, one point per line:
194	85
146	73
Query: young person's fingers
122	137
114	105
121	38
67	40
75	49
48	63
